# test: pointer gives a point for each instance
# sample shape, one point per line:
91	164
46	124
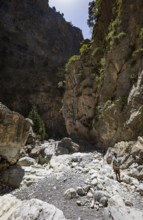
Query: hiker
116	166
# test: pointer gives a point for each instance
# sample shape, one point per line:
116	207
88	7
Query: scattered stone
94	182
70	193
128	203
106	192
104	201
140	189
89	195
99	186
79	203
80	191
86	188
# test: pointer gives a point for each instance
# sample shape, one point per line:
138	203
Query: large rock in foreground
12	208
117	210
14	130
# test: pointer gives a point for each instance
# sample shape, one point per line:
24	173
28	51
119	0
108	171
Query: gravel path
51	190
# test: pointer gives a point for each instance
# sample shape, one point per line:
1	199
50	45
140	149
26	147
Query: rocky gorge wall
103	101
35	42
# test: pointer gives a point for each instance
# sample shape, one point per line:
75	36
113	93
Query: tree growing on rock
39	126
93	12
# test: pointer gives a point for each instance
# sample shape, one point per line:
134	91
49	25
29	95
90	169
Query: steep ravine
102	108
106	102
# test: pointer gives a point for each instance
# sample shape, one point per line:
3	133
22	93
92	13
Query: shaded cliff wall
35	41
103	101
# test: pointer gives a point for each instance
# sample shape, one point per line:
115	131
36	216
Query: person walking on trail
116	166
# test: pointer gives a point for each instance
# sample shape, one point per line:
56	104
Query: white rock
26	161
122	213
13	209
35	209
134	181
70	193
8	203
94	175
94	182
89	195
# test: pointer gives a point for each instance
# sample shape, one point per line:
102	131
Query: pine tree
39	126
94	9
91	14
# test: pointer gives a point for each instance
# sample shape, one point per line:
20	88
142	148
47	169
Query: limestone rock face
35	42
14	130
7	205
14	209
36	209
103	100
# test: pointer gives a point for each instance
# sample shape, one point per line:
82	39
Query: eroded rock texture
35	41
14	209
104	87
14	130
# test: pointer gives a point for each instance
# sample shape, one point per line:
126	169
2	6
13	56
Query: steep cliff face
104	86
35	41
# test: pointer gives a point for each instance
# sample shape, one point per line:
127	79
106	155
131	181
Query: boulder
122	213
14	209
57	162
108	155
99	194
36	210
26	161
67	146
118	210
8	204
137	173
80	191
70	193
14	131
13	176
44	152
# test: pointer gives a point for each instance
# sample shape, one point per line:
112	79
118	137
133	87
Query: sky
75	11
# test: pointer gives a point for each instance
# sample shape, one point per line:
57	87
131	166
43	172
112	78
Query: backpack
116	161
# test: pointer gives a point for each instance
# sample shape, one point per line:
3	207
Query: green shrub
106	105
133	78
71	59
112	35
84	49
38	127
119	36
93	12
138	52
